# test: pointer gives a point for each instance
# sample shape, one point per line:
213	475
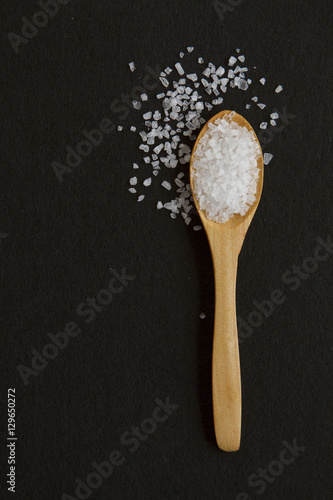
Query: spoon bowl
225	241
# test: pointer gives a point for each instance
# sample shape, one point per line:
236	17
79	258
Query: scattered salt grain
273	123
179	68
197	228
136	104
241	58
159	205
200	60
202	316
243	85
263	125
190	49
232	61
279	89
135	165
166	185
262	81
148	115
132	66
119	128
267	158
164	81
261	105
141	197
248	106
147	182
133	181
274	116
144	97
181	54
255	99
132	190
133	129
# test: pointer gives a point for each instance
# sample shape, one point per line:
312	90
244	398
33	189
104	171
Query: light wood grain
225	242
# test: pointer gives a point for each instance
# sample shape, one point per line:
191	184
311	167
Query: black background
59	241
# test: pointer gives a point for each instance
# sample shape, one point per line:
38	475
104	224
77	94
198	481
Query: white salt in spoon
226	240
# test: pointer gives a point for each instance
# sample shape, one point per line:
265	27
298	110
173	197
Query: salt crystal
200	60
202	316
159	205
135	165
192	76
261	105
133	129
133	181
262	81
273	123
248	106
243	85
190	49
181	54
263	125
147	182
158	149
160	96
132	190
197	228
178	182
144	97
141	197
179	68
132	66
241	58
232	60
279	89
136	104
166	185
267	158
168	70
148	115
255	99
220	71
164	81
274	116
120	128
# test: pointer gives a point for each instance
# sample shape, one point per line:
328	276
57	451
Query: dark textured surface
59	240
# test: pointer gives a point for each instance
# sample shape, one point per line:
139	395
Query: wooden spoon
226	240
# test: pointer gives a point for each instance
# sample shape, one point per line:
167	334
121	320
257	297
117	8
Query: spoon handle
226	368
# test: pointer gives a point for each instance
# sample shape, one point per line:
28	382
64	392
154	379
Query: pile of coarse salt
224	169
171	127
